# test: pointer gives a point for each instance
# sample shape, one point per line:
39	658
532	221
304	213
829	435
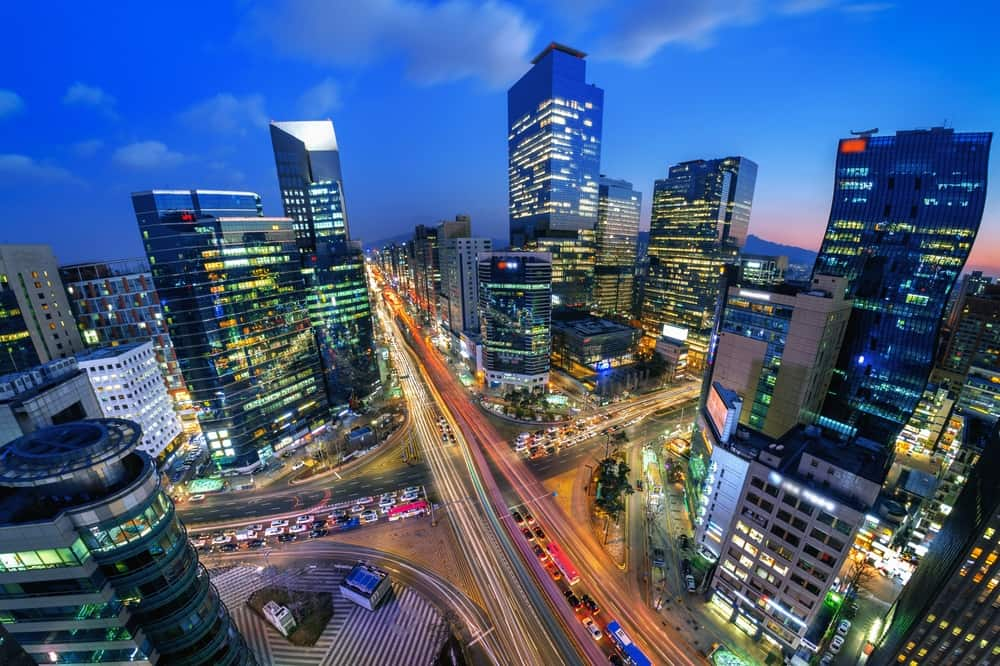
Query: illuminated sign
507	265
757	295
853	145
675	332
187	217
604	365
753	264
723	418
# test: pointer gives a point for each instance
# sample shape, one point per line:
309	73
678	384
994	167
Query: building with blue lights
906	210
554	120
616	243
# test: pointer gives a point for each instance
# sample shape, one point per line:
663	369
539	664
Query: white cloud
320	100
88	148
147	155
22	166
440	41
81	94
867	7
227	113
10	103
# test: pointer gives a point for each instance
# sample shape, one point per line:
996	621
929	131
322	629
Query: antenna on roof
865	133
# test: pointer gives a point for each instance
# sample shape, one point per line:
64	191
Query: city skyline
94	135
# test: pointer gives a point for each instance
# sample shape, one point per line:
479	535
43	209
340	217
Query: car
528	534
689	581
256	527
369	516
279	522
518	518
285	538
685	566
615	660
591	605
827	659
316	533
274	531
307	518
228	547
554	572
529	519
412	489
540	553
574	601
843	627
337	513
409	497
299	465
659	559
685	541
256	543
297	529
539	533
197	498
592	628
836	643
221	539
319	522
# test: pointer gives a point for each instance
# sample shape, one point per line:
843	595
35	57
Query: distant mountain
796	255
382	242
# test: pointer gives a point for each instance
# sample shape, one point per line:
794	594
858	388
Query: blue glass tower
906	209
554	150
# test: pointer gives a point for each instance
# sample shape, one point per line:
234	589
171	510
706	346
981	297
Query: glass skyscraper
554	154
616	241
906	209
701	214
312	193
231	286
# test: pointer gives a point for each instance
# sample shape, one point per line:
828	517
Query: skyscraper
616	238
426	269
98	569
312	194
701	214
36	322
231	285
554	153
460	282
515	303
906	209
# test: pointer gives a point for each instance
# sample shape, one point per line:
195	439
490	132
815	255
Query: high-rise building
36	322
115	303
460	282
515	304
50	394
554	121
231	285
426	270
128	385
906	209
312	193
701	214
974	338
97	566
947	613
777	348
616	238
762	270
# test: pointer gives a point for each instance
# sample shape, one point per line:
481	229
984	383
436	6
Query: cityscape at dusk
457	333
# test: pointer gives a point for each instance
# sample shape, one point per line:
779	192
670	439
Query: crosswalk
406	629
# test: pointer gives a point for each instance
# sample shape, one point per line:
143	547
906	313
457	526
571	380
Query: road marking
480	637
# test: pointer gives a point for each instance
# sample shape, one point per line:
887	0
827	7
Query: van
658	558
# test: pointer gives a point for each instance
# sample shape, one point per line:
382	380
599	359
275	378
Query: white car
280	522
410	497
369	517
827	659
297	466
274	531
219	540
302	520
844	627
197	498
297	529
836	643
592	628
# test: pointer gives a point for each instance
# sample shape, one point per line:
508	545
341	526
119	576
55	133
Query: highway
619	595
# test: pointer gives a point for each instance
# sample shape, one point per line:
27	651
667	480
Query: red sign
853	145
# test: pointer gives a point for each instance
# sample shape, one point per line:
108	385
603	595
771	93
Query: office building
979	395
758	270
947	613
515	305
307	160
460	282
97	566
236	310
972	284
700	218
974	338
50	394
426	271
906	209
928	422
584	345
616	239
554	121
777	348
127	382
115	303
36	322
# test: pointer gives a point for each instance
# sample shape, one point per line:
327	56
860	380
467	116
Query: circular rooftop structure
58	453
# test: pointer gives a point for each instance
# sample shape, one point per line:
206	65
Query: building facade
777	348
97	565
36	321
235	303
974	338
127	382
426	270
515	303
460	282
906	209
762	270
616	238
554	122
50	394
700	218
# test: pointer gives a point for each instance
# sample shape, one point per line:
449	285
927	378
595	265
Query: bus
562	562
407	510
633	655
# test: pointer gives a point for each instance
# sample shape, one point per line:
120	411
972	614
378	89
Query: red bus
562	562
407	510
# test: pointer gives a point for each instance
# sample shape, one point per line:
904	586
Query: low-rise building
50	394
366	585
279	616
588	347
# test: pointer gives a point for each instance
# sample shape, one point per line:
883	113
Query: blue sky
96	104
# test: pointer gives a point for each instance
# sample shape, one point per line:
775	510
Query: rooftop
583	323
110	352
556	46
364	579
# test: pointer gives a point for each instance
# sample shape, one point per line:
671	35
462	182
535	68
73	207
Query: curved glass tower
96	566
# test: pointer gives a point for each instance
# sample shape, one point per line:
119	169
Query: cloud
867	7
320	100
88	148
227	113
147	155
440	41
10	103
80	94
22	166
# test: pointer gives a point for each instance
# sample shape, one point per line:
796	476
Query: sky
98	103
